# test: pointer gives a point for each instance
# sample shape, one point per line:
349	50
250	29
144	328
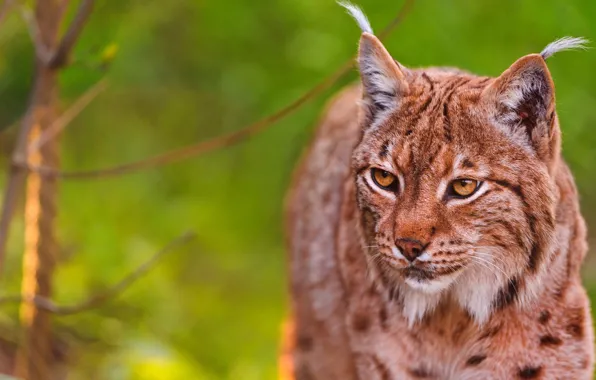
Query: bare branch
398	19
62	53
68	116
17	176
114	291
199	148
223	141
41	50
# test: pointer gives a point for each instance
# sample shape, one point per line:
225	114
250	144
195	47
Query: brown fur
501	295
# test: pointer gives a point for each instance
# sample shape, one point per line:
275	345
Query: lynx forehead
435	231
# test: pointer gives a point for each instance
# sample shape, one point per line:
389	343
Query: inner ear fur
524	101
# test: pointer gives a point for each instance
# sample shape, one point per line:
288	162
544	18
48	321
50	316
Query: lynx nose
410	248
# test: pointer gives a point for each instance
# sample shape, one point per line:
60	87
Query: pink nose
410	248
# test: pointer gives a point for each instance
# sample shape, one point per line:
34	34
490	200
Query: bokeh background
181	71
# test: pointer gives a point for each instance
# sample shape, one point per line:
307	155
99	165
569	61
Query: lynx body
434	229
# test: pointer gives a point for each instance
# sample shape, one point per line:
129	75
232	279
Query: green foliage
182	71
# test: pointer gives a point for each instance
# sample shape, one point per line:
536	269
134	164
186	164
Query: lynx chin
434	229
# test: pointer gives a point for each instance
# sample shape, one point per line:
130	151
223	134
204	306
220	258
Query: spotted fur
495	290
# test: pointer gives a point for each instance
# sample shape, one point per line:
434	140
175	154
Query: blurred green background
187	70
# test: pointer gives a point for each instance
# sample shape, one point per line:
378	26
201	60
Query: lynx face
454	180
446	194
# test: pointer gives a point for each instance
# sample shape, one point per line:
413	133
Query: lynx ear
382	77
523	98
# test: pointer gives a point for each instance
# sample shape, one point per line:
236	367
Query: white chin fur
429	286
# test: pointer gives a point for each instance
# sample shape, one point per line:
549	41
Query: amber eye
463	188
384	179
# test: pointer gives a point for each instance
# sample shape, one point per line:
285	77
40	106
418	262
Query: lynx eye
384	179
462	188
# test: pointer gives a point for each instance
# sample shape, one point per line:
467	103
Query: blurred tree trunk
34	358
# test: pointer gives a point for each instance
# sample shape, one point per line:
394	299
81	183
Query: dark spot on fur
544	317
408	132
467	163
305	342
433	230
575	326
549	340
415	337
361	322
507	295
475	360
530	372
384	149
576	330
534	258
420	373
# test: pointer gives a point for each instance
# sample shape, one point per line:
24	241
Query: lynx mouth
418	274
429	281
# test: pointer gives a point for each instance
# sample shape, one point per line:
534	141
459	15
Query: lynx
434	229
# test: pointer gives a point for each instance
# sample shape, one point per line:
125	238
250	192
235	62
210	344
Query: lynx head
455	178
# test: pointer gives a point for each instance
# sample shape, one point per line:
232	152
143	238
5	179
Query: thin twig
62	53
67	117
199	148
398	19
218	142
114	291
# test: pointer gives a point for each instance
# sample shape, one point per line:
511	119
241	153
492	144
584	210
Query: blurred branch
398	19
223	141
198	148
62	53
68	116
41	50
101	298
48	63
